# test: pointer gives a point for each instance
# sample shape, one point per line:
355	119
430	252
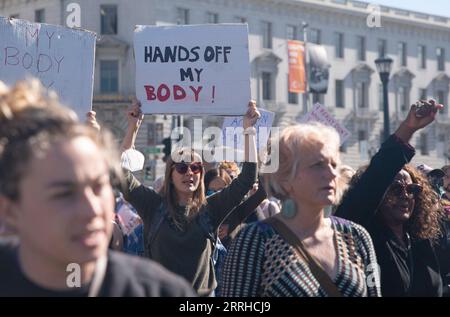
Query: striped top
261	263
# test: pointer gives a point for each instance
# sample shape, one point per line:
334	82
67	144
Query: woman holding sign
180	224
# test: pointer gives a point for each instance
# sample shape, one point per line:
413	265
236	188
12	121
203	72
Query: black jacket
126	276
360	205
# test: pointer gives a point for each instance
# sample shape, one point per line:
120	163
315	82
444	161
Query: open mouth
404	207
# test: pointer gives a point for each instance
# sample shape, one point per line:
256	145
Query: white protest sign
193	69
61	58
320	114
262	126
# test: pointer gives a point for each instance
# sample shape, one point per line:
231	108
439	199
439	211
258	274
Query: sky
437	7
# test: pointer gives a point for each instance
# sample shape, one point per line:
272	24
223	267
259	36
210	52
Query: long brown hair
169	192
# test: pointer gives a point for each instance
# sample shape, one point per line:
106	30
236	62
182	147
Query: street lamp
384	69
306	64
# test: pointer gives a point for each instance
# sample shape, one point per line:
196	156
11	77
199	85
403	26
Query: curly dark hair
427	214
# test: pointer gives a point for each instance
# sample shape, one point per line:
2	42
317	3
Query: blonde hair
294	141
345	174
30	120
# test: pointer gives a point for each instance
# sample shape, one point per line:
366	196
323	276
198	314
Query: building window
109	77
155	133
267	34
380	98
239	19
362	95
339	45
422	94
291	32
361	46
403	98
363	144
340	103
362	135
39	16
424	144
292	96
442	99
403	54
108	19
212	18
440	56
382	48
317	98
314	36
182	16
422	56
267	86
440	146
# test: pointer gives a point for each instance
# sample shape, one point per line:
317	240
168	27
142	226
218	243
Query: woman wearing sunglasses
399	208
180	224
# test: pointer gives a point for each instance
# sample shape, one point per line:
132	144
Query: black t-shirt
126	276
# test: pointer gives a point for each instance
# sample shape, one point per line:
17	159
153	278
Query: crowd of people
314	228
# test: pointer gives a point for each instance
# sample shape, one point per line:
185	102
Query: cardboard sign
320	114
262	126
193	69
61	58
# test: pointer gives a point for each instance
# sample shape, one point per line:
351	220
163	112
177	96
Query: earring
288	208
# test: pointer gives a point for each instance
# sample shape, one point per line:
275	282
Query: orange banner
297	74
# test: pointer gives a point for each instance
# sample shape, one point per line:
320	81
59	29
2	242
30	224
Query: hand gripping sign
193	69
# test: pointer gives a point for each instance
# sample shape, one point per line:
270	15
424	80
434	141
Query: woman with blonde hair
300	252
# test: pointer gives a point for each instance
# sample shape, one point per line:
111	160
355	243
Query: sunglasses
182	167
398	189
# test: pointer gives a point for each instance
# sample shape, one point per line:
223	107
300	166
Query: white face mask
132	160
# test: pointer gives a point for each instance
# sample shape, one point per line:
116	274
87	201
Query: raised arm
245	209
134	118
222	203
361	201
143	198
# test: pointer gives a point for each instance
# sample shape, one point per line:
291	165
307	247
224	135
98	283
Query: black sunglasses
397	188
183	167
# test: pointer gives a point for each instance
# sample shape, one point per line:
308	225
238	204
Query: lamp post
384	69
306	106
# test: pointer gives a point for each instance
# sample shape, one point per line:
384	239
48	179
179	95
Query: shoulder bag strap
316	269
